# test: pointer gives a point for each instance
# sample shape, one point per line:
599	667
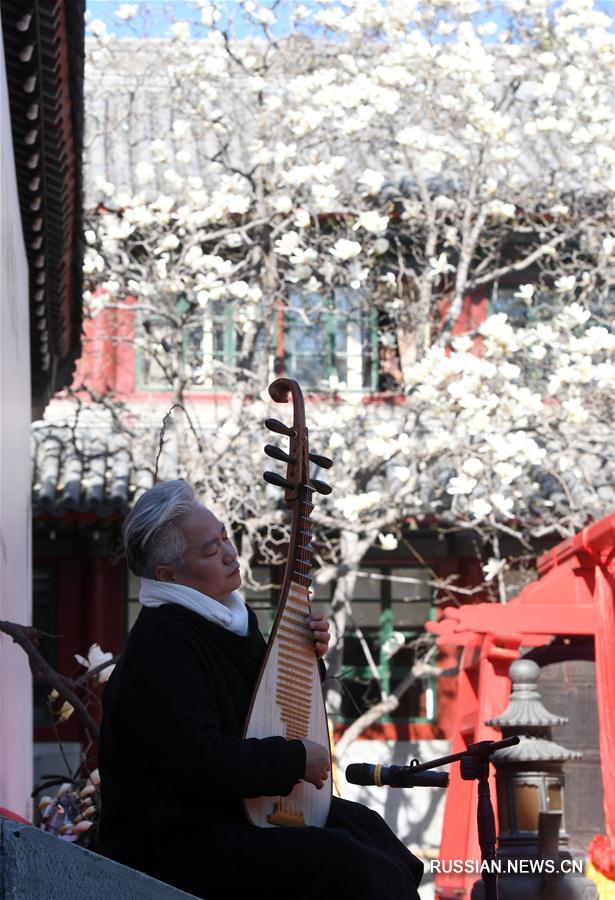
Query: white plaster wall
415	814
15	516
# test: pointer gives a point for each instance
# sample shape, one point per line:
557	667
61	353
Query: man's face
210	561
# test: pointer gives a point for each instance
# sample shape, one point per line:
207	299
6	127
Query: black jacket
174	768
171	754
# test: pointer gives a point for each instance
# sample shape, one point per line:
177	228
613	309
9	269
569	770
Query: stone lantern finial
527	717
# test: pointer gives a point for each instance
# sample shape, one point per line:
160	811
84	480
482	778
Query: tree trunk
353	548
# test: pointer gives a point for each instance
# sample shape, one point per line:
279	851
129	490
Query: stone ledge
34	864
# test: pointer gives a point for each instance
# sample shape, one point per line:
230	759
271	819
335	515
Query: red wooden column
602	849
70	615
605	687
484	689
104	601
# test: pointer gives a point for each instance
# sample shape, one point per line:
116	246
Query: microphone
394	776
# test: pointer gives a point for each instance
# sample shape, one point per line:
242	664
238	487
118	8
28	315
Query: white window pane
367	588
261	575
366	614
409	588
321	592
324	608
265	621
412	614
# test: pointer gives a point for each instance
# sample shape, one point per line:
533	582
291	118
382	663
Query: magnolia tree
382	161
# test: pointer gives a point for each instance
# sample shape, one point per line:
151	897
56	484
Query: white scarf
231	612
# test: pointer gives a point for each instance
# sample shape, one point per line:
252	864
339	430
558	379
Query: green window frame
328	343
381	606
215	339
502	300
150	377
331	337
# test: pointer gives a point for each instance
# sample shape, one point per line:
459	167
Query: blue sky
156	15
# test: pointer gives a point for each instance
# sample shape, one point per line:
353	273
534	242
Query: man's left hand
320	630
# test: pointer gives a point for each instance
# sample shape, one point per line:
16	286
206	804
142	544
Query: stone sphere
524	671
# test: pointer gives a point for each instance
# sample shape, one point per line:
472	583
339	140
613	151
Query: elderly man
173	763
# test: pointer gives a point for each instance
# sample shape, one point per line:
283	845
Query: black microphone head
360	773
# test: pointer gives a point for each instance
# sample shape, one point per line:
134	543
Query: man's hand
317	763
320	630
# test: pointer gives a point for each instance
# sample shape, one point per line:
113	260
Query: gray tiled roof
88	472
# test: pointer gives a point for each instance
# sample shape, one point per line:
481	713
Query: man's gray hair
151	533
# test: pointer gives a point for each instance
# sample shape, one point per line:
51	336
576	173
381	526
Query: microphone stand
474	765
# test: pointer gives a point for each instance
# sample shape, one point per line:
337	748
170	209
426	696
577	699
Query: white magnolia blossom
461	484
126	11
565	284
393	644
473	467
96	657
283	204
507	472
502	504
98	28
440	266
493	567
525	292
575	411
302	218
210	15
501	337
498	209
372	221
573	315
388	541
444	203
387	181
144	172
381	447
380	246
287	244
344	249
479	508
401	473
372	181
352	506
170	242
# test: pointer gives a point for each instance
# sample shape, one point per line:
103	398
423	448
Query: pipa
288	699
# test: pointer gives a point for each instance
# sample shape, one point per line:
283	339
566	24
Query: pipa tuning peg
323	461
320	486
276	453
274	478
279	427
